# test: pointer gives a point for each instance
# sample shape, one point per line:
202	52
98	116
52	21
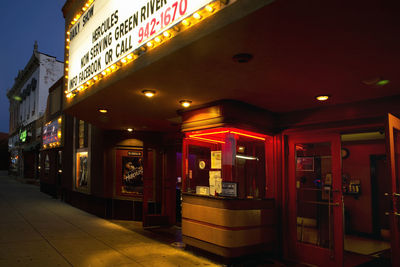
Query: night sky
22	23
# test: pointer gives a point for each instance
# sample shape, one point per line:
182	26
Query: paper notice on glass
213	177
212	190
218	185
216	159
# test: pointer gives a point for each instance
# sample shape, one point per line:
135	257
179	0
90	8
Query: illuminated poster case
52	133
225	162
82	170
129	173
82	156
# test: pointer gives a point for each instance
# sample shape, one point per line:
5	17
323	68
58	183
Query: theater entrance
343	196
365	185
315	199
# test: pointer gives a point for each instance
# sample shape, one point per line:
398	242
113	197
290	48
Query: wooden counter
228	227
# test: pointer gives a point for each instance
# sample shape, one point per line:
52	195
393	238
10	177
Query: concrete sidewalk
36	230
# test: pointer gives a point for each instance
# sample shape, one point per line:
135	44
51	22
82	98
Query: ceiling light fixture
382	82
149	93
185	103
103	110
322	97
129	130
242	57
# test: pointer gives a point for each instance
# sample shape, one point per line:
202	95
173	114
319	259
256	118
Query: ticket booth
228	183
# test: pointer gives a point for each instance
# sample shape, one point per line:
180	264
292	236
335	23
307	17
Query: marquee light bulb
197	15
209	8
185	22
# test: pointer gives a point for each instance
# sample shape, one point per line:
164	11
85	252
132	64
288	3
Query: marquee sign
108	31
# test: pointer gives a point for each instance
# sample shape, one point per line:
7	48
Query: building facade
258	126
56	141
28	98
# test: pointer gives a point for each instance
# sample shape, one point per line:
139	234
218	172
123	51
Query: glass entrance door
315	199
393	155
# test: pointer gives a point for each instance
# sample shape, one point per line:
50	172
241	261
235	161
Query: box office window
225	162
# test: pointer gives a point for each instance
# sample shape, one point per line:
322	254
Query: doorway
354	178
315	206
365	181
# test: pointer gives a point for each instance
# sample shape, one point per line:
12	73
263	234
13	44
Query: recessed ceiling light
185	103
129	130
382	82
149	93
375	81
103	110
322	97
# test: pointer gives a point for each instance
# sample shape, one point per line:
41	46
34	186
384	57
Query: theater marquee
109	32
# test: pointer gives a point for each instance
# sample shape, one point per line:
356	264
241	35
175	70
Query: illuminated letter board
109	30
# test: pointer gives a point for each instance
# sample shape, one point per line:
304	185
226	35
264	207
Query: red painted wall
357	167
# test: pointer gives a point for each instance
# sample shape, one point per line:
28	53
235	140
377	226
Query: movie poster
81	169
132	175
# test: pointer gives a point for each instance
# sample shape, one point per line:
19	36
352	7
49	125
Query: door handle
394	213
321	203
394	194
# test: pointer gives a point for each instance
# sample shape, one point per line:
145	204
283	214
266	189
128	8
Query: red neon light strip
207	140
201	134
225	131
248	135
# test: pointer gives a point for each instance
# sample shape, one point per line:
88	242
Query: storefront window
40	161
14	160
225	162
47	164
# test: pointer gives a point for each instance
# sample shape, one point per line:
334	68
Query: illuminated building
258	151
27	105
